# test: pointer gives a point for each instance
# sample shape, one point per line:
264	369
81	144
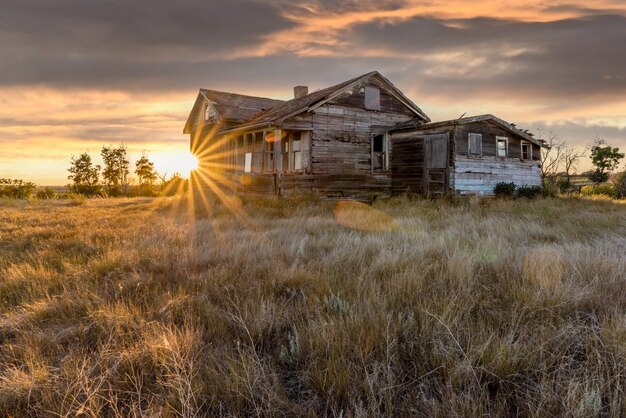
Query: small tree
144	169
605	158
84	175
116	171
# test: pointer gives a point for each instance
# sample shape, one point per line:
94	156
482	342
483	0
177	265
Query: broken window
475	144
292	147
526	151
372	98
379	153
501	146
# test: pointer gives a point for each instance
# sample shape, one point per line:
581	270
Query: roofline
472	119
187	128
398	95
202	93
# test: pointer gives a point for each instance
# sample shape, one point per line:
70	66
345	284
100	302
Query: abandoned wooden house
362	139
463	156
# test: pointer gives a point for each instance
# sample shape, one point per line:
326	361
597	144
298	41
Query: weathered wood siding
341	147
479	176
337	149
489	132
407	165
388	103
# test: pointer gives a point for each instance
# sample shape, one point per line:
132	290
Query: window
296	146
475	145
292	148
372	98
257	157
379	153
257	151
527	153
501	146
268	162
209	114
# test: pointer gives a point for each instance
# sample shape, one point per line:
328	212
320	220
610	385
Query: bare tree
551	159
571	158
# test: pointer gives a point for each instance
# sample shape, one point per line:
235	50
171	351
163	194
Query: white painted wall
479	176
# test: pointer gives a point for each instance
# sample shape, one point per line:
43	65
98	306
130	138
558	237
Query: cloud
565	58
77	43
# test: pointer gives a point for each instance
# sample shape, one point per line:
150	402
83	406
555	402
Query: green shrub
599	189
16	189
529	192
504	189
46	193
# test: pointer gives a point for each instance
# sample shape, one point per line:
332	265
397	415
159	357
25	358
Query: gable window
502	145
379	153
527	153
372	98
475	145
292	152
209	114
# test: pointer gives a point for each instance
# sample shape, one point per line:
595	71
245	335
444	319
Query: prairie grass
300	307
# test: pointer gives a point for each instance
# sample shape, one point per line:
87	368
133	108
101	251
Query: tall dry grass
307	308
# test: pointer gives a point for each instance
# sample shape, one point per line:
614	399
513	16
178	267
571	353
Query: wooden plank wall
489	132
407	166
479	176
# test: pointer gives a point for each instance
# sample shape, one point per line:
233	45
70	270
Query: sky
79	74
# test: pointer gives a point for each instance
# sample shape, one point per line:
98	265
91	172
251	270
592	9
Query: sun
183	163
189	163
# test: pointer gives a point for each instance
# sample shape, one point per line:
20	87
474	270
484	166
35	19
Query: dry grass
305	308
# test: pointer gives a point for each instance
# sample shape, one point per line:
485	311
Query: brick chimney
300	91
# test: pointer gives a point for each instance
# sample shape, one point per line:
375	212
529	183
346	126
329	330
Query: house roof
287	109
471	119
231	107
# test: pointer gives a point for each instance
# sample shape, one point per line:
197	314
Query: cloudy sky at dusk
77	74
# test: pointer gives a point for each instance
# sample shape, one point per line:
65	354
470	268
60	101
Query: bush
529	192
599	189
598	176
619	184
504	189
16	189
46	193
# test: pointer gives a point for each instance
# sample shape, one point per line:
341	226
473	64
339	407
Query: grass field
132	307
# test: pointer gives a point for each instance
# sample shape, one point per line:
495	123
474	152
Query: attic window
209	114
372	98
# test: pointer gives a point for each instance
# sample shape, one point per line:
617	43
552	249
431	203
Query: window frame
287	150
469	145
530	150
384	153
506	146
